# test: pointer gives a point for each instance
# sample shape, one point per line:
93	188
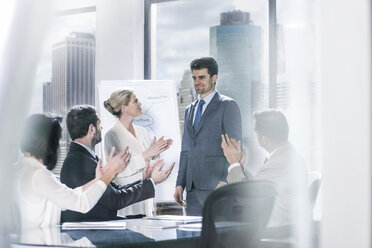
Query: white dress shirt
207	100
41	196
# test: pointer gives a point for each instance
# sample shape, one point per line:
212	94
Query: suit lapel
212	106
190	118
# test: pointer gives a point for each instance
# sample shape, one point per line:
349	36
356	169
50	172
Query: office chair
314	180
234	215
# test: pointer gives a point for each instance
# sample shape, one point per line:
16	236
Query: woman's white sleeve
47	185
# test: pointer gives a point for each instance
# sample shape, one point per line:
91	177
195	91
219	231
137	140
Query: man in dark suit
83	125
202	163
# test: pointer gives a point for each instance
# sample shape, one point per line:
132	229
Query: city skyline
236	44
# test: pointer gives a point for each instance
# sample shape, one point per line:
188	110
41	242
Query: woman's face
134	106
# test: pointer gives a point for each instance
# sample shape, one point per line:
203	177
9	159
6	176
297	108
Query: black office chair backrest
235	215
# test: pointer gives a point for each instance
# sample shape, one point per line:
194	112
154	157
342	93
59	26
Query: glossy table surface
138	233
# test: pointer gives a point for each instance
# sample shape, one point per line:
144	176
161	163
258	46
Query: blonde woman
124	105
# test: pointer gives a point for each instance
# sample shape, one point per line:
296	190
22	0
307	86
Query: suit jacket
288	171
79	168
202	163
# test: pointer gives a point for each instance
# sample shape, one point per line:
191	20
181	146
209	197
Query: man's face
203	82
97	136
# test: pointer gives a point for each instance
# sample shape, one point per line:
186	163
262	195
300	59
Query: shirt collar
209	97
276	149
87	148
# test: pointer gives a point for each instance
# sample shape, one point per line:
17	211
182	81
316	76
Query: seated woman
40	194
124	105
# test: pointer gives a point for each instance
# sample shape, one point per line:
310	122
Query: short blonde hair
116	100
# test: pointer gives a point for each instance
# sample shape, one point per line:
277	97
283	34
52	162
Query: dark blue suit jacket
202	162
79	168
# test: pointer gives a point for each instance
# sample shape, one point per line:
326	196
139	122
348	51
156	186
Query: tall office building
236	44
186	95
73	79
73	72
47	97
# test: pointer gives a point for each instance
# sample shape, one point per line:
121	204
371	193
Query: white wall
344	71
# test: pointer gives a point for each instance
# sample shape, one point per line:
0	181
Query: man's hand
99	170
119	162
231	149
244	152
178	196
115	165
221	184
158	175
146	173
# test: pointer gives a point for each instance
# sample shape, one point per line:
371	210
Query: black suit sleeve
122	196
79	168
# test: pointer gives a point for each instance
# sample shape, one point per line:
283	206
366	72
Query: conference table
136	233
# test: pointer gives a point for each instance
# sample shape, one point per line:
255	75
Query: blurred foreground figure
40	195
283	166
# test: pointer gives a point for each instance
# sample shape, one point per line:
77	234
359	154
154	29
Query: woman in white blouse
40	194
124	105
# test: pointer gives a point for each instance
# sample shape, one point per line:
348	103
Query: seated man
83	125
283	166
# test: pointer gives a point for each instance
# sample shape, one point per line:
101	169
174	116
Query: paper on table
191	227
179	218
94	225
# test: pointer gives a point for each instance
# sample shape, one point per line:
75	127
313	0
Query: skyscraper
47	97
73	72
73	79
186	95
236	45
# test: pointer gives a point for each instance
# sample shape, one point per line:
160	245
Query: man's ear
91	128
214	78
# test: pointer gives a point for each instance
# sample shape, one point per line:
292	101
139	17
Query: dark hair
78	120
205	62
40	138
272	124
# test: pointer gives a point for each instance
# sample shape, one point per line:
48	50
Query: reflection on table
138	233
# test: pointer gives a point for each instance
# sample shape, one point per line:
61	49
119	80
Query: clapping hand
115	164
232	150
118	162
146	173
158	175
156	147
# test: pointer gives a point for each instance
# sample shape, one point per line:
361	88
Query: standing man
83	125
202	163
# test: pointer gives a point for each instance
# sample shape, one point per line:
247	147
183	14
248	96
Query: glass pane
68	60
236	34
